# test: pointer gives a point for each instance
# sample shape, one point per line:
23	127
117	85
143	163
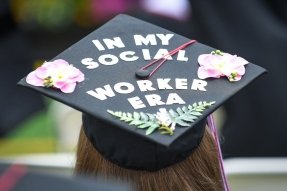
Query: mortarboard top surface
110	82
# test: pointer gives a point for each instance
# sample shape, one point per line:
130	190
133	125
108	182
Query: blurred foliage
51	14
55	15
36	135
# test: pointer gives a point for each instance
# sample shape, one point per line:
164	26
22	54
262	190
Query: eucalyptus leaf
190	107
145	125
128	119
189	118
182	123
144	117
179	111
136	122
110	112
151	116
196	113
129	115
185	109
136	115
139	122
151	129
211	103
173	113
123	118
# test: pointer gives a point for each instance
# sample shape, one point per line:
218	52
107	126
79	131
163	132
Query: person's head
199	171
141	124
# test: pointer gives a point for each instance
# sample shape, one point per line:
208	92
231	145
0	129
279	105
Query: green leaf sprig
183	117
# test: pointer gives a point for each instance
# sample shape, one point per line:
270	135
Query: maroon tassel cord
143	73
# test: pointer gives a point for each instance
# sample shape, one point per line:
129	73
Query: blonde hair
200	171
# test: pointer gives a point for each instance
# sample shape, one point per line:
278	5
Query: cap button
142	74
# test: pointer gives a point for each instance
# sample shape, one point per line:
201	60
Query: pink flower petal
63	75
74	72
41	72
240	70
34	80
202	59
237	78
60	63
46	64
79	78
224	64
242	61
68	88
203	73
59	84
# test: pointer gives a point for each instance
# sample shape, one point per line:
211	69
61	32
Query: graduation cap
20	178
144	91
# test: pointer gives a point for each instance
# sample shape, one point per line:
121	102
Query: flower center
220	65
232	76
48	82
60	76
165	121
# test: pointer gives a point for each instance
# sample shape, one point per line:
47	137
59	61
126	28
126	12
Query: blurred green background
37	134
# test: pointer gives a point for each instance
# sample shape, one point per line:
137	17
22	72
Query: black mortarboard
140	112
20	178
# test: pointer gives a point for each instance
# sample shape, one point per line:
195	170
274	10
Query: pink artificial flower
217	64
57	74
